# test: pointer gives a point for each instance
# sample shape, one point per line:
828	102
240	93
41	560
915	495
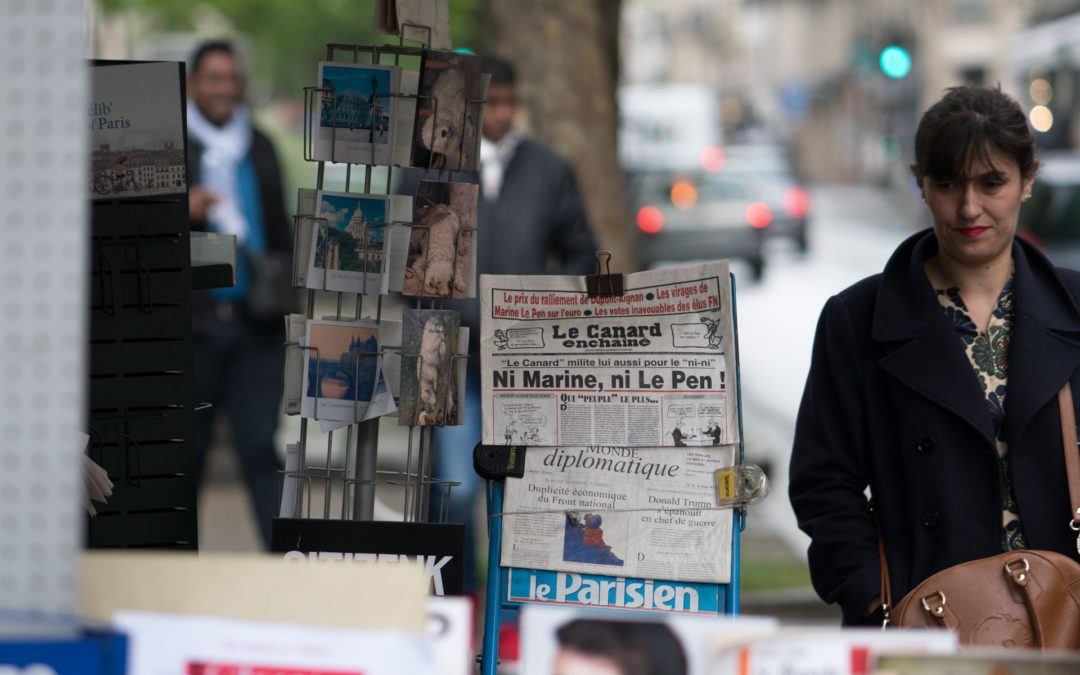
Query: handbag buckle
939	608
1075	525
1014	572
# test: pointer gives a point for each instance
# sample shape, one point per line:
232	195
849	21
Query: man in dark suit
531	220
238	341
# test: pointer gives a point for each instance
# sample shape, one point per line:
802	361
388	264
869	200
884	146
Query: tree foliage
288	37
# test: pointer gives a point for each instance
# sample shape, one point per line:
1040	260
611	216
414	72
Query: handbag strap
1072	454
1072	471
886	585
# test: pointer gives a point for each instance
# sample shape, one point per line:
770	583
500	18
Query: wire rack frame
359	477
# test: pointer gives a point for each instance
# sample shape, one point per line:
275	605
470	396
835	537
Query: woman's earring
1026	197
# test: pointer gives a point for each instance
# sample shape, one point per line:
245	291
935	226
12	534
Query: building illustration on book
138	170
583	540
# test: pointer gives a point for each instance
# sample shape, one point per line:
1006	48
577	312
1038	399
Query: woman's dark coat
892	401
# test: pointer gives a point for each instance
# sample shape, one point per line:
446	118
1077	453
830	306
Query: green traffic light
895	62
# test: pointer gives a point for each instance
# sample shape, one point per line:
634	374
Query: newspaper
652	367
628	512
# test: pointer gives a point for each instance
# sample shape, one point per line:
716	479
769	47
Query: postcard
428	394
446	133
350	240
442	251
136	131
295	333
302	224
355	113
342	366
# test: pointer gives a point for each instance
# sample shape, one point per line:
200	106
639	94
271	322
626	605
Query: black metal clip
496	462
603	283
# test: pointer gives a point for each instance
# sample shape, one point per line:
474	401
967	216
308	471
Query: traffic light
895	61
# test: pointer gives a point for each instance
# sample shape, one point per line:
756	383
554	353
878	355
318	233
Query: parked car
769	168
685	216
1051	218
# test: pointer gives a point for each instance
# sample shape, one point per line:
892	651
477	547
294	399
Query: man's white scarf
494	158
224	149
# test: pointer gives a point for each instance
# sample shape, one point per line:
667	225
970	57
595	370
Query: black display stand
141	396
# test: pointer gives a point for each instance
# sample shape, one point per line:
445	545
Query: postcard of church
350	242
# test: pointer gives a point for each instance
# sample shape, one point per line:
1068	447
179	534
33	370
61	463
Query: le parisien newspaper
627	404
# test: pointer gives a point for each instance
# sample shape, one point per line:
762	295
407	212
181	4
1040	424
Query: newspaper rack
497	462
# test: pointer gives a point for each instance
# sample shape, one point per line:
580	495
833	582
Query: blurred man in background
531	220
238	332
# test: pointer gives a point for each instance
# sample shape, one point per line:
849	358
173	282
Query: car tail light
712	159
759	215
1030	237
683	195
796	202
650	219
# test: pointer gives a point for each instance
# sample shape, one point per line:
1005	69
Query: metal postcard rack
359	477
496	463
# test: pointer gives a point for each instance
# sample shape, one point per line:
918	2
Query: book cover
442	251
350	242
355	113
341	371
137	144
429	392
446	132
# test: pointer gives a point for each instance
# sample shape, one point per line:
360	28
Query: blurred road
853	231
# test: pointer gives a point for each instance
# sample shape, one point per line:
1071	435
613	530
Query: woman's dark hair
638	647
966	124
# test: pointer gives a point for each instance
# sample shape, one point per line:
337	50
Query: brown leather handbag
1022	598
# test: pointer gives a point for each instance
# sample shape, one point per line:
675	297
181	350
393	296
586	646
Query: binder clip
495	462
740	485
603	282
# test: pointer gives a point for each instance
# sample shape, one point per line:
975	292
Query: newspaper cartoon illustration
583	540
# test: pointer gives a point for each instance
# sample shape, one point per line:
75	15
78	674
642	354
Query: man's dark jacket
276	230
892	400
